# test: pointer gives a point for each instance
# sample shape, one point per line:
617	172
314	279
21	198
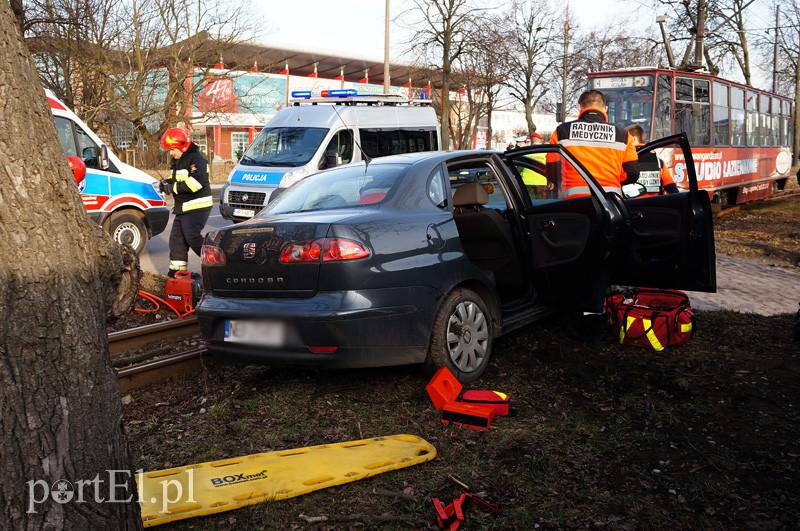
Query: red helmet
176	138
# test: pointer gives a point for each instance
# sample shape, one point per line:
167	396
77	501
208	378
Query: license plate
261	333
243	213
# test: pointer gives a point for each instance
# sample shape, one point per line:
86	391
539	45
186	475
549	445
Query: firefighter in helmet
191	192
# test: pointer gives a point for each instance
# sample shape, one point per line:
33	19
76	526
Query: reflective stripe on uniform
178	265
574	190
618	146
181	175
193	184
175	188
196	204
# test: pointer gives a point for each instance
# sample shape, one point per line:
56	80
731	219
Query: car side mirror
331	160
633	190
78	168
102	158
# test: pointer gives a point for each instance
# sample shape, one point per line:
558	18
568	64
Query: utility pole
775	49
667	44
386	78
700	31
564	71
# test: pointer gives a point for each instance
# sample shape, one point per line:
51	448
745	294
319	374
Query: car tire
462	336
127	227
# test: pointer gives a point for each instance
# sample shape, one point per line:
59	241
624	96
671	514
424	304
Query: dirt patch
702	436
154	284
769	231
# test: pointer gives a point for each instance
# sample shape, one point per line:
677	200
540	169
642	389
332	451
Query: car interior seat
485	235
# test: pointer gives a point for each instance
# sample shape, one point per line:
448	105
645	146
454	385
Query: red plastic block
443	388
501	402
473	416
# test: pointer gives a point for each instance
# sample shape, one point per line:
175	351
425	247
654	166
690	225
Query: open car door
672	240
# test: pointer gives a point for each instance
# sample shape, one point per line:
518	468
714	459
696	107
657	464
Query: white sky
355	27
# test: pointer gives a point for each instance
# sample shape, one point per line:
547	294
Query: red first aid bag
650	318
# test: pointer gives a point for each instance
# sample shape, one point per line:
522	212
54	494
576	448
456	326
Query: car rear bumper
369	328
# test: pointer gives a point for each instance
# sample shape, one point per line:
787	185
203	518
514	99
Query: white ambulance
121	198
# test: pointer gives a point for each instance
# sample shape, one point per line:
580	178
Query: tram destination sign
601	83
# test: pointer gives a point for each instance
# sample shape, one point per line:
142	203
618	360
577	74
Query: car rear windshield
345	187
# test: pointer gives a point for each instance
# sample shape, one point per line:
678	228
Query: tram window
775	131
663	123
692	110
721	118
751	101
752	128
787	110
763	103
701	91
738	132
683	89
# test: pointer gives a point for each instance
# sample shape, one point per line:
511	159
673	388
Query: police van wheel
462	336
127	227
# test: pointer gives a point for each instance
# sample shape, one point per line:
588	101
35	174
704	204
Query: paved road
751	287
155	257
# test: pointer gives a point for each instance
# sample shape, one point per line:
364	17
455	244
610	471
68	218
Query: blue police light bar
342	93
301	94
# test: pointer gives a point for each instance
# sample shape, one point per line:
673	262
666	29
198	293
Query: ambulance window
87	148
65	136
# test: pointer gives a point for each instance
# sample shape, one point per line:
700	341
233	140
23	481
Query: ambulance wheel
461	339
127	227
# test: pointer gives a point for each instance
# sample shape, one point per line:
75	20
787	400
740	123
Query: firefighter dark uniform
655	176
606	151
191	192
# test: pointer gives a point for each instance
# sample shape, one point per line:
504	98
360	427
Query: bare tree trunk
445	117
700	33
796	135
60	409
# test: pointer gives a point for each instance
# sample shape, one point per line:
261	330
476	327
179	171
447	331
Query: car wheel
461	339
127	227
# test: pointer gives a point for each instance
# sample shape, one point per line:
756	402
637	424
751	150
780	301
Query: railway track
156	364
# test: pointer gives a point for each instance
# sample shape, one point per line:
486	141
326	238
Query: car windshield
631	103
347	186
284	146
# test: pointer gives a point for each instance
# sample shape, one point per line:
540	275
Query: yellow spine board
218	486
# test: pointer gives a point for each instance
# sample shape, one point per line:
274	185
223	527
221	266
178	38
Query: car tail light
339	249
211	255
322	350
300	252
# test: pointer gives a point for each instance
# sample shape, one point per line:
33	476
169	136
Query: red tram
740	136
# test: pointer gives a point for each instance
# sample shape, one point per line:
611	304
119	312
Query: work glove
164	186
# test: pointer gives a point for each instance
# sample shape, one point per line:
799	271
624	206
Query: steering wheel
619	220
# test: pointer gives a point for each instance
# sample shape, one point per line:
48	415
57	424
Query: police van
121	198
318	132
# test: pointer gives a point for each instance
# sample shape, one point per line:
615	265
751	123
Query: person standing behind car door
653	173
191	192
605	150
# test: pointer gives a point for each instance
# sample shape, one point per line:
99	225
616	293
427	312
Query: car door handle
548	224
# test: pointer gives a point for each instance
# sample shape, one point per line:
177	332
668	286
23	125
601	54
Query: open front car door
672	240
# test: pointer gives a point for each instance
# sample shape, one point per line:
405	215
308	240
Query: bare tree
139	61
530	29
788	65
443	33
60	277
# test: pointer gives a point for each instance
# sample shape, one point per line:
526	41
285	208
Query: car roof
430	156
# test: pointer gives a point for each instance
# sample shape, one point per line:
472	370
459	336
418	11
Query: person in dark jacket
191	192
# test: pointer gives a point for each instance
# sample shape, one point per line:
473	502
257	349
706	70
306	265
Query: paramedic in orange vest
653	172
605	150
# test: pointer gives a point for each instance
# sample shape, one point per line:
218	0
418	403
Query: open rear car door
672	239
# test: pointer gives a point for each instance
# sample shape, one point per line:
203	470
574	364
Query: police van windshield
284	146
629	100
